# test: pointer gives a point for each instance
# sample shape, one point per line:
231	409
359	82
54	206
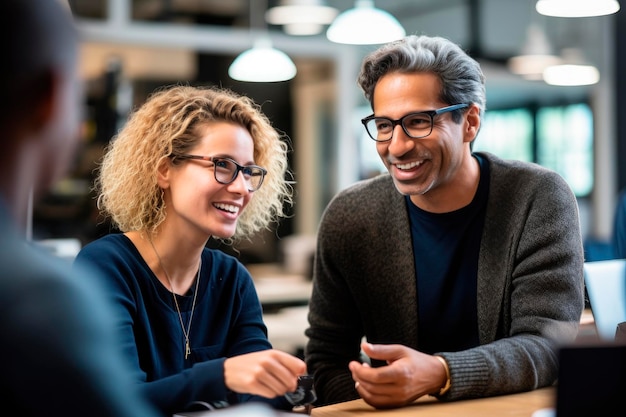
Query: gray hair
462	80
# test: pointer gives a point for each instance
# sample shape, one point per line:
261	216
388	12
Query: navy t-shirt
446	247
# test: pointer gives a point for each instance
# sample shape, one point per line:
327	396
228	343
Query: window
565	144
563	140
507	134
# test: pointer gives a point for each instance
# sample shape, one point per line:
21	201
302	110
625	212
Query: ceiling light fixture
577	8
365	25
261	63
574	71
570	75
301	17
536	55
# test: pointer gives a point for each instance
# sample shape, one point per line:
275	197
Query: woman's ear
163	173
472	123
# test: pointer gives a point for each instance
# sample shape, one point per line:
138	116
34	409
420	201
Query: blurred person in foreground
193	164
58	351
463	271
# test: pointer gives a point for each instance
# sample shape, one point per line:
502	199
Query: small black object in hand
304	394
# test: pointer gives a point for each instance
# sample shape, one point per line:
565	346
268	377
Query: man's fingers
387	353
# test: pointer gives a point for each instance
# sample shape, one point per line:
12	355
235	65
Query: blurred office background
133	46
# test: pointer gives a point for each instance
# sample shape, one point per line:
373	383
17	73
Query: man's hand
409	374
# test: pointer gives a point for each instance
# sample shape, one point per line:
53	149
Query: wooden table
515	405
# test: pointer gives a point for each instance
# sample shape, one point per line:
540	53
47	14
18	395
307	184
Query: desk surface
515	405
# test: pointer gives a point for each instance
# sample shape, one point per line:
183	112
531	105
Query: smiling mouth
227	207
409	165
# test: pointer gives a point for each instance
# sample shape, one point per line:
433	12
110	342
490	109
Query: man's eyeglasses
226	170
415	125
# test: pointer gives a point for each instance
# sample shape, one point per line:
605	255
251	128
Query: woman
193	163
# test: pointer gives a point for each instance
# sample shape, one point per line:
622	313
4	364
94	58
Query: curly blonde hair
170	122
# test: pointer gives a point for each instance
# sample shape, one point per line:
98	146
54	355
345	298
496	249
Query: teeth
227	207
409	165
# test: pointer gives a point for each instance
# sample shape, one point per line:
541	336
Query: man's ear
472	123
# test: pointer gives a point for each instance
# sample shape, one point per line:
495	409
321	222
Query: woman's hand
268	373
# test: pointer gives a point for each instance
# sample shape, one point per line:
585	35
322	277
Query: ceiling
490	30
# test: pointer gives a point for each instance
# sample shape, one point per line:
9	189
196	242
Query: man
57	349
462	271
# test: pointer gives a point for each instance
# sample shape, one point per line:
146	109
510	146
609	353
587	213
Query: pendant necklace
193	305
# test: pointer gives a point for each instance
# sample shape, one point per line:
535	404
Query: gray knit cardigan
530	283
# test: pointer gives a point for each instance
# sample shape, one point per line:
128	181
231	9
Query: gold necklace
193	305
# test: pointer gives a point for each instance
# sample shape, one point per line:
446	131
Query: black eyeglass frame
238	168
400	121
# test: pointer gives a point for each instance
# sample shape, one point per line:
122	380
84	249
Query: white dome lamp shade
262	63
535	56
577	8
301	17
570	75
365	25
574	71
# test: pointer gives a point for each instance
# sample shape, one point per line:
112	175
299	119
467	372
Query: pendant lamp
261	63
365	25
577	8
574	71
535	56
301	17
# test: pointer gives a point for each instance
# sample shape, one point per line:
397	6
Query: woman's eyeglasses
226	170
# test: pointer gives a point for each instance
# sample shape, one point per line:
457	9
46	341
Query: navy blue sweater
227	321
